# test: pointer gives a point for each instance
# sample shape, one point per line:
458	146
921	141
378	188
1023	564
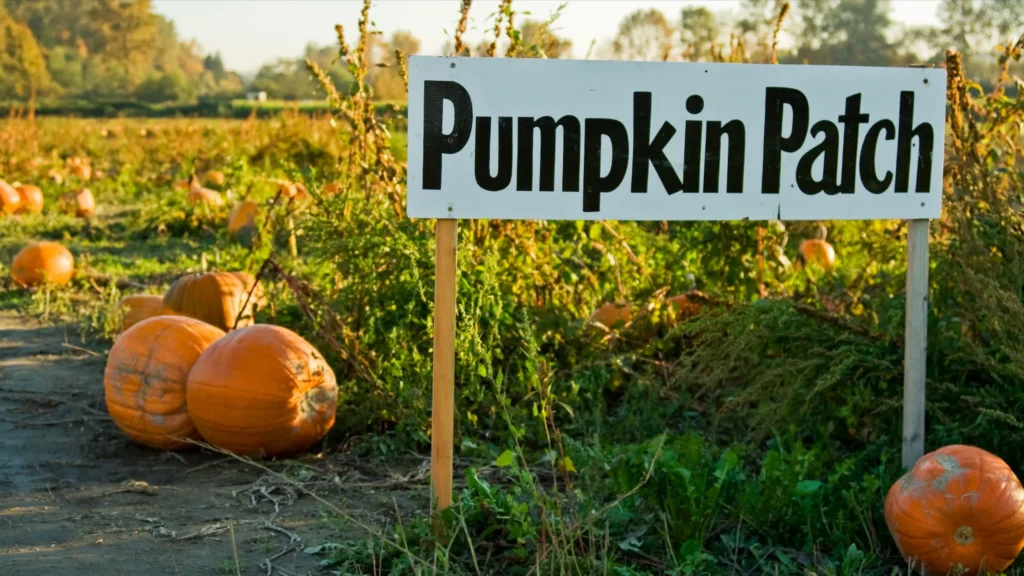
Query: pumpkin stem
964	535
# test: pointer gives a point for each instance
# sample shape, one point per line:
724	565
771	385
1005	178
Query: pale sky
249	33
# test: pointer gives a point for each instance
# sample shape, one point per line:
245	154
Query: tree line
110	49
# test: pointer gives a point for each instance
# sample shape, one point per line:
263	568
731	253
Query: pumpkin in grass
332	188
214	177
214	297
818	251
199	195
612	313
43	262
146	375
81	203
684	306
10	200
958	505
296	190
135	308
31	199
264	390
242	222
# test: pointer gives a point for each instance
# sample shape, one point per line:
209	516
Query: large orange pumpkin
31	199
242	222
818	251
214	298
612	313
145	378
80	203
10	200
138	307
958	505
262	390
43	262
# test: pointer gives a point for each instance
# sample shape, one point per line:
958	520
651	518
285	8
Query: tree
846	32
757	24
644	35
405	41
22	64
170	86
128	30
699	32
537	40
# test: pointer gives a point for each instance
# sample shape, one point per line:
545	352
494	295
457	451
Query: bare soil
77	497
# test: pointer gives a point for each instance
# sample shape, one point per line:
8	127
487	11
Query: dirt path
71	502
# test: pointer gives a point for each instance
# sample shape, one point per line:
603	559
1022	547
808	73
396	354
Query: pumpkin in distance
612	313
43	262
958	505
215	177
31	199
145	378
214	297
138	307
10	200
264	390
80	203
818	251
242	222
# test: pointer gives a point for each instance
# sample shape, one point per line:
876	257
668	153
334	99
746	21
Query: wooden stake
916	344
443	415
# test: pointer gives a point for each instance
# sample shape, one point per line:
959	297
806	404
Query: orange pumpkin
264	390
332	188
10	200
684	306
138	307
146	375
55	176
31	199
214	298
215	177
819	251
242	222
612	313
296	190
80	203
958	505
43	262
199	195
81	171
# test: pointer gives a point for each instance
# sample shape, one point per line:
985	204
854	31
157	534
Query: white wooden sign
587	140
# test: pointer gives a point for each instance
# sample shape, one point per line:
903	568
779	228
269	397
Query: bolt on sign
598	140
535	139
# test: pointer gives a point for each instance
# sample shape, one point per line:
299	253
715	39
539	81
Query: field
746	418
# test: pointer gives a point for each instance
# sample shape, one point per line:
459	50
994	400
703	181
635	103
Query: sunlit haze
249	33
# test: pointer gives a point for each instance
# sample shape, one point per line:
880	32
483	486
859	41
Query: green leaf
567	465
505	460
807	487
481	370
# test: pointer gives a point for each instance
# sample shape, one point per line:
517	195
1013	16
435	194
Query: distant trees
104	48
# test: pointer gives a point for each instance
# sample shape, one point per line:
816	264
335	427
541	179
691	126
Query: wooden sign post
535	139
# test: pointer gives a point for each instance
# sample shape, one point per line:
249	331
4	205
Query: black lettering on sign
691	146
650	151
435	142
868	173
829	148
570	126
482	167
594	184
713	157
851	121
925	144
775	143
